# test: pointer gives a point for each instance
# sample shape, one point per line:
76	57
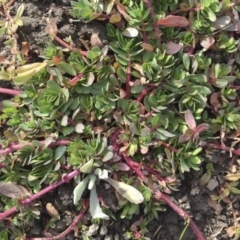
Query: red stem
16	146
58	39
156	28
144	33
68	230
74	80
185	10
155	173
128	88
144	93
134	166
169	147
114	139
10	91
35	196
225	148
183	214
164	198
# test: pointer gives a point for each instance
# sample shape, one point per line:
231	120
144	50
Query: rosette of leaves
127	191
224	42
165	5
186	38
219	74
85	10
128	111
50	99
193	95
135	138
139	15
155	66
188	158
170	33
97	151
158	100
202	23
125	49
94	149
203	62
229	117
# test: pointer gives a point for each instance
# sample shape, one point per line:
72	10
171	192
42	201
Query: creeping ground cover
138	118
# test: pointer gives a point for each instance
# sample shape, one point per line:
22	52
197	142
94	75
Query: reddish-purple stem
10	91
155	173
58	39
144	93
156	28
183	214
74	80
114	139
144	33
36	196
164	198
128	88
72	227
166	145
16	146
134	166
227	149
185	10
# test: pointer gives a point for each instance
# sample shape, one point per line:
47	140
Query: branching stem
159	195
36	196
17	146
10	91
128	87
156	28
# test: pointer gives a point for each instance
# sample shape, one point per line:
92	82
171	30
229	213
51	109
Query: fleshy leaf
13	190
173	21
221	22
127	191
59	151
87	167
79	189
92	181
123	167
190	119
207	41
173	48
95	208
107	156
202	127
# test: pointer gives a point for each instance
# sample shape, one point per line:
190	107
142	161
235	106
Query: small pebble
222	224
212	184
116	237
103	230
92	230
60	226
35	232
108	237
68	220
222	217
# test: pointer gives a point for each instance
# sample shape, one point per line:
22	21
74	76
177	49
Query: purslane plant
133	114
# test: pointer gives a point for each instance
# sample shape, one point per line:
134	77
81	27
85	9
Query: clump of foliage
136	114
